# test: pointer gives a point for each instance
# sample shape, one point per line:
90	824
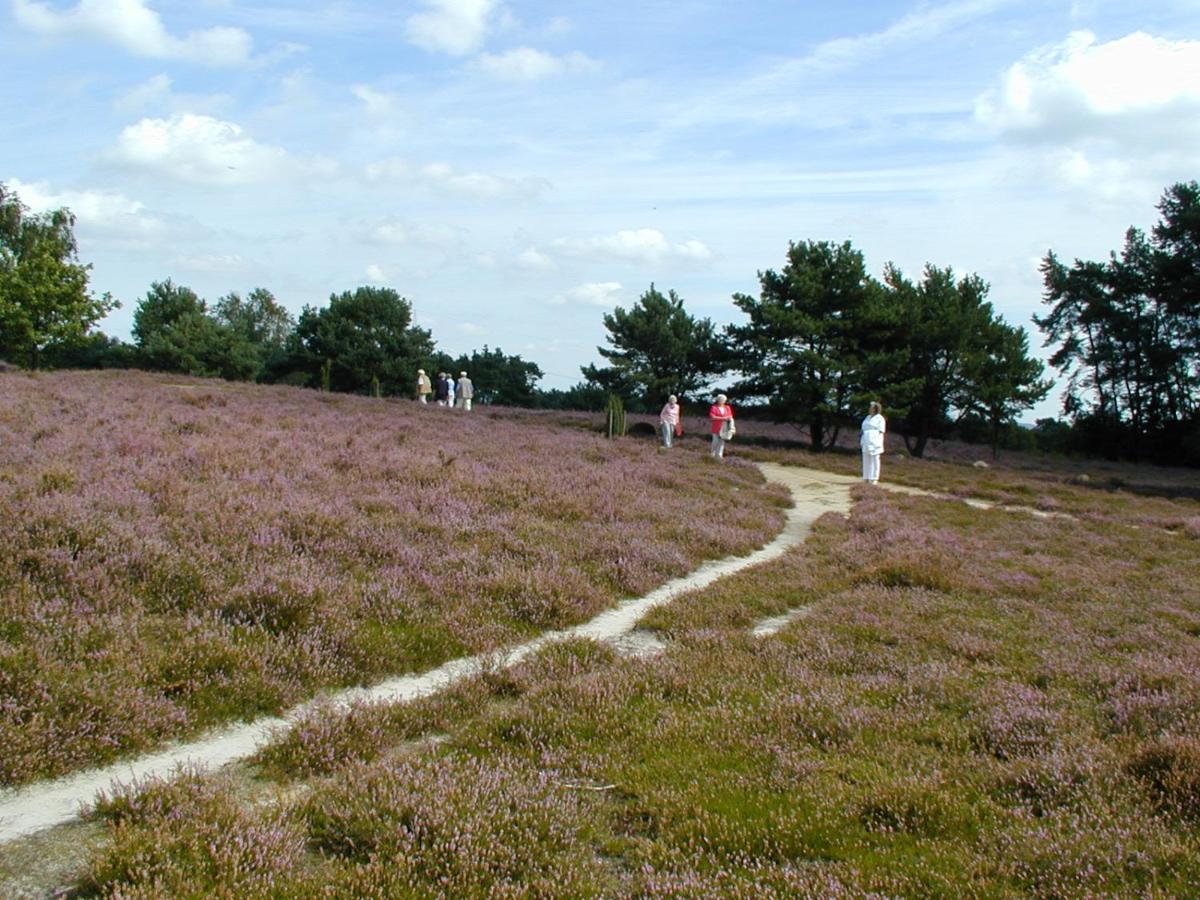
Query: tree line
1127	337
820	339
823	338
362	341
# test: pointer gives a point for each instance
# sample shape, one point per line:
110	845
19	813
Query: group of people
722	427
446	391
720	417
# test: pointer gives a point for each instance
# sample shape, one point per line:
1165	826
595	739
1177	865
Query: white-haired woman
874	427
668	420
720	417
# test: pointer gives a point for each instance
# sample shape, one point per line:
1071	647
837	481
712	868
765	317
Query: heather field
964	702
182	553
975	702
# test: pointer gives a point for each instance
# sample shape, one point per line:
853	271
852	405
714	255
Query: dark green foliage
498	379
1127	333
657	349
361	334
947	350
175	332
803	349
44	298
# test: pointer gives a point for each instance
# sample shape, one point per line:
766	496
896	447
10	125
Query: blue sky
518	168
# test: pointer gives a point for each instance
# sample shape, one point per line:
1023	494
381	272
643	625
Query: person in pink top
720	416
668	420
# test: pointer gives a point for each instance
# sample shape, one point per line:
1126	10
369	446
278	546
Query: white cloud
203	150
153	90
456	27
444	178
528	64
211	263
133	25
1116	118
376	275
376	102
396	232
638	245
100	215
925	24
606	294
1081	87
534	259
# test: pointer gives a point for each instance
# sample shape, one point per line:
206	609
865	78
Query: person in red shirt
720	416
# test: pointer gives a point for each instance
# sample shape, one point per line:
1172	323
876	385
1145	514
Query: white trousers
871	466
464	403
718	446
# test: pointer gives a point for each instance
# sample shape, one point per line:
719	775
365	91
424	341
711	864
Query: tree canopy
44	297
655	349
802	349
1127	335
362	335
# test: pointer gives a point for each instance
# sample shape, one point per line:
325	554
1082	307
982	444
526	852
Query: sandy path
35	807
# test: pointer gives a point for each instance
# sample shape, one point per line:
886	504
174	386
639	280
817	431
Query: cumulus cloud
647	245
375	274
104	216
456	27
398	233
443	178
1084	88
533	258
528	64
203	150
133	25
1118	116
606	294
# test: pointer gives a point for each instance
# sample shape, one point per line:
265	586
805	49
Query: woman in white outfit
874	426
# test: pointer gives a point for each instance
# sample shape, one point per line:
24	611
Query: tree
1003	380
802	349
657	349
1127	336
260	321
498	379
949	349
44	298
260	318
174	332
164	305
362	334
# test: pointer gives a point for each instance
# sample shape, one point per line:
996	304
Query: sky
517	168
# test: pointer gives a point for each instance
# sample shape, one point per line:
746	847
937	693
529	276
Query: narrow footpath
33	808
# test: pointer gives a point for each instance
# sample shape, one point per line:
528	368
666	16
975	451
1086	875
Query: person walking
668	420
423	386
466	391
442	395
720	416
874	427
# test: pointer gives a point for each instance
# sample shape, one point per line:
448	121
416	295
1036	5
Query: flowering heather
977	703
180	553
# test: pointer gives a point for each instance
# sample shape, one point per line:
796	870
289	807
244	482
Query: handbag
728	430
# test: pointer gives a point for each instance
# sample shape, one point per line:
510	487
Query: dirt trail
31	809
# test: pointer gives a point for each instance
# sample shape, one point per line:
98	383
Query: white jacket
873	429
